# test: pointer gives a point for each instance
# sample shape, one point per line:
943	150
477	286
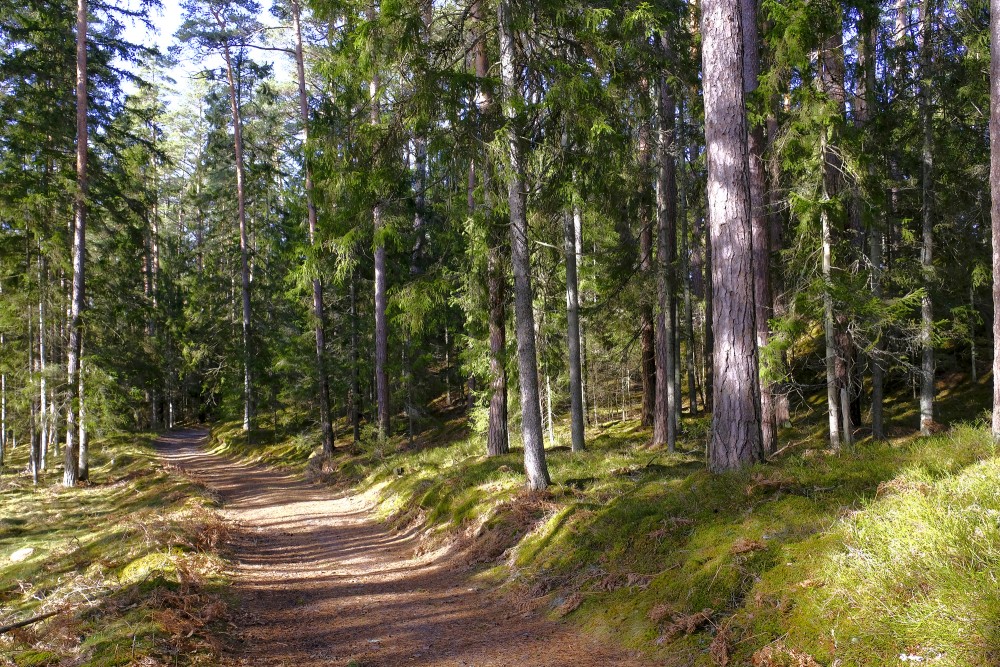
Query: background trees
362	190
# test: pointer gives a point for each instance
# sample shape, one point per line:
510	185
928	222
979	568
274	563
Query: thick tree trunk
531	421
736	433
323	382
995	202
665	415
927	217
71	470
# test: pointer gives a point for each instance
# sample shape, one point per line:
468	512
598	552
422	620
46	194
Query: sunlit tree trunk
381	279
570	219
234	105
995	204
531	421
736	435
927	218
71	470
323	383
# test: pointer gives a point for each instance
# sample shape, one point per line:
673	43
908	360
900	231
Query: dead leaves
779	655
683	624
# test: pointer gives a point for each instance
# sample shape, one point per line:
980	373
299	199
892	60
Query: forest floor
320	582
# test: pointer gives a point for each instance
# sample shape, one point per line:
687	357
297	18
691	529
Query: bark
995	202
829	332
736	432
665	416
71	470
927	218
692	374
323	382
531	422
354	401
570	220
381	282
647	328
43	428
759	222
497	438
83	456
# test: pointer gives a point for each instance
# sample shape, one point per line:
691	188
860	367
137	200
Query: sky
165	23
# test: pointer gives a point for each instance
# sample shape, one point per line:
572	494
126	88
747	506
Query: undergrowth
886	553
128	562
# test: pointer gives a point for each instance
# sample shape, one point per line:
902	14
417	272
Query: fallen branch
784	449
30	621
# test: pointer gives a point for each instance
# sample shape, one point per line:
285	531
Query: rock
22	554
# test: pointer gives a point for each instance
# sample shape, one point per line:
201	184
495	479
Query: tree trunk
665	415
71	470
325	421
689	335
355	399
829	331
83	455
927	216
995	204
234	105
759	222
736	433
531	422
570	219
497	437
381	282
647	327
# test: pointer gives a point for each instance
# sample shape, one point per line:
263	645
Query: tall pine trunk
665	415
325	421
736	434
71	470
241	207
381	280
497	438
531	419
927	219
995	203
570	219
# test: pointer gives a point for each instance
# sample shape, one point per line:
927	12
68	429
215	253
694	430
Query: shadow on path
322	583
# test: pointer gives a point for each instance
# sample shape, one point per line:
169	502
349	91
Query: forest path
320	582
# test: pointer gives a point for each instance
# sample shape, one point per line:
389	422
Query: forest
493	332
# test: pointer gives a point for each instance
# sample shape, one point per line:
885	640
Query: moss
118	552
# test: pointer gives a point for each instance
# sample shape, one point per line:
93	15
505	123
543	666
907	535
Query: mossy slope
129	561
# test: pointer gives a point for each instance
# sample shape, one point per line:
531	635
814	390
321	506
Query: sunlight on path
321	583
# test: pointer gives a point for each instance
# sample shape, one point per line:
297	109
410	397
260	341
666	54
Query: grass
884	554
129	561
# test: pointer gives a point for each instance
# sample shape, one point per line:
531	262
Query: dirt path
321	583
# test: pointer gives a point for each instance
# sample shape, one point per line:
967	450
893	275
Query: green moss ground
865	557
130	561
